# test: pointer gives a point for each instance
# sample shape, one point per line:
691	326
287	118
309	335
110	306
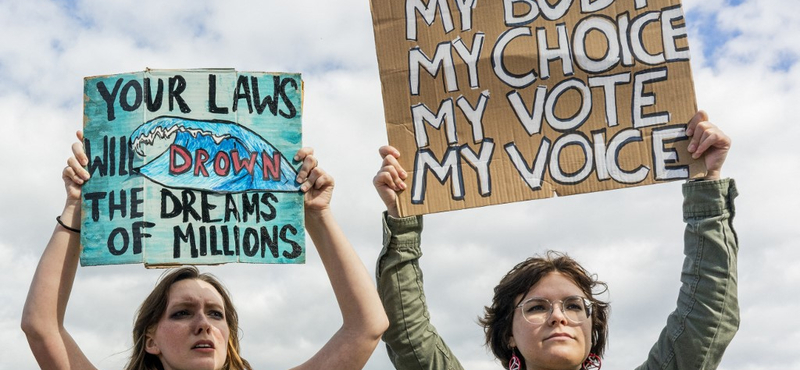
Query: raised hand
314	182
74	175
389	179
709	141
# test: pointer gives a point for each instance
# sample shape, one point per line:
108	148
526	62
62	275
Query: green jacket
696	334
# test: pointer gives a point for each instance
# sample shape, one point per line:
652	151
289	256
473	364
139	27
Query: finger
309	163
712	138
77	169
705	139
79	153
697	135
388	177
303	152
700	116
317	179
388	150
392	161
79	134
68	174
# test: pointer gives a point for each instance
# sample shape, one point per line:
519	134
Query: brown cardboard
652	54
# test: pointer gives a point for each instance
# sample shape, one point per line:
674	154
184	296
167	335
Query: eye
536	307
574	304
179	314
217	315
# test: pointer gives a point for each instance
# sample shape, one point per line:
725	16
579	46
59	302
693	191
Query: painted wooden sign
192	167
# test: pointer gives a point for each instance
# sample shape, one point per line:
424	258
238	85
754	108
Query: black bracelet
74	230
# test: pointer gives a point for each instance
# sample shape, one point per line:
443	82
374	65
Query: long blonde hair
153	308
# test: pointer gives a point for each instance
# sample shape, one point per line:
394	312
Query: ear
150	345
511	342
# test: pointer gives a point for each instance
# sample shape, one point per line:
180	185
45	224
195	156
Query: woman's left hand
314	182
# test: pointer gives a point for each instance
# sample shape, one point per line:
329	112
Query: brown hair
154	306
498	318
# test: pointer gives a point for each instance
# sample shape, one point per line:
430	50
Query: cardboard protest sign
505	100
192	167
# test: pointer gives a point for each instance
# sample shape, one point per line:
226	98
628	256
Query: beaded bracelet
74	230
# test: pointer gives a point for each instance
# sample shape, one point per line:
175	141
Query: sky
747	76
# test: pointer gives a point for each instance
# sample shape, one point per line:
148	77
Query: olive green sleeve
707	315
411	340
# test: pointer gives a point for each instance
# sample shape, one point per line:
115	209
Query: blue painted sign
192	167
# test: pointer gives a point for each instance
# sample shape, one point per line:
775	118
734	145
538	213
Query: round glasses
538	310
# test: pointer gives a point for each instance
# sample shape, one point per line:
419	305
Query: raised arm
363	319
707	315
43	314
411	340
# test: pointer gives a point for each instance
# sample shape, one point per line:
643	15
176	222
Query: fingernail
296	158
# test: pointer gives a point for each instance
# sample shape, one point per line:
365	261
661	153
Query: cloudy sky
745	63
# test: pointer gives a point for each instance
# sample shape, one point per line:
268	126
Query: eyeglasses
538	310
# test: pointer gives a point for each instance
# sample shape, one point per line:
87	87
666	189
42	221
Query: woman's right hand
74	175
390	179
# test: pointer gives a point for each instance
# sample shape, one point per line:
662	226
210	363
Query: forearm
707	316
46	304
362	314
412	341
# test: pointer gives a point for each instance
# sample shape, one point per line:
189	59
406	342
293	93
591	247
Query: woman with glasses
188	321
545	314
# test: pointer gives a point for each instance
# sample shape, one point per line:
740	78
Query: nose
557	315
202	324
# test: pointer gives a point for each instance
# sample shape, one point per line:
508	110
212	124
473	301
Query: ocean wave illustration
217	156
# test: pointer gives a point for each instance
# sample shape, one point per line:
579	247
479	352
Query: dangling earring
592	362
513	363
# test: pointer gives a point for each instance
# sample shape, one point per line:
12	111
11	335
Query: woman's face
192	333
558	343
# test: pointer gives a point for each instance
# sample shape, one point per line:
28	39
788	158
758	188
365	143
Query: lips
203	344
559	336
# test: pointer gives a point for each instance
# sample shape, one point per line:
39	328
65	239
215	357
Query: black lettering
189	198
137	97
250	249
139	234
94	198
206	208
177	207
286	100
272	101
188	237
241	84
111	241
109	97
135	202
249	207
297	250
114	206
265	200
155	103
212	96
271	242
230	208
212	237
97	163
177	85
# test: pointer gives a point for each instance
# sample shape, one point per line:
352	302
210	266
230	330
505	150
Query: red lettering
272	166
177	150
238	164
200	159
222	164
